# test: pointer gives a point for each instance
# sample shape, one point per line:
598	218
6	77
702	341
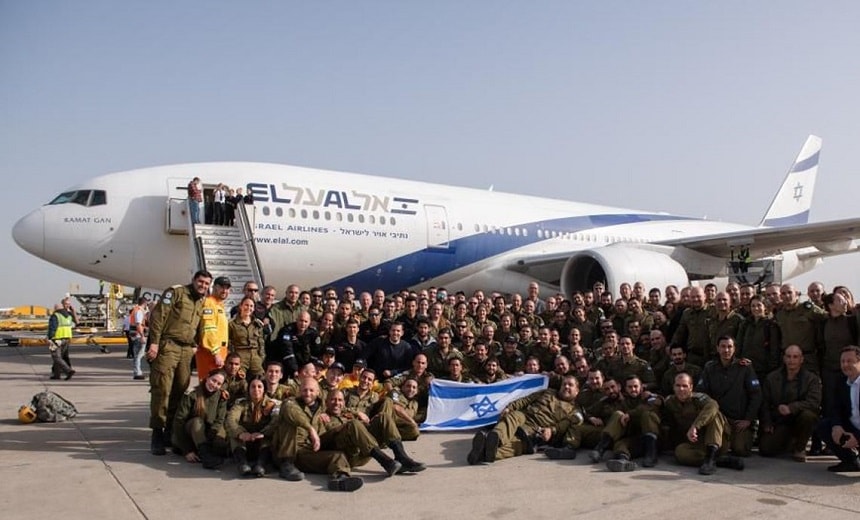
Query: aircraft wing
829	238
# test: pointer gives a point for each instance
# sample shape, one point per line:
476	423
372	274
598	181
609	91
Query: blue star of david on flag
484	406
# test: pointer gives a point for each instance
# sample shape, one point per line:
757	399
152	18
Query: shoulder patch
755	382
807	305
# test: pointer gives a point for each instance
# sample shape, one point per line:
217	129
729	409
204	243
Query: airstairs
228	251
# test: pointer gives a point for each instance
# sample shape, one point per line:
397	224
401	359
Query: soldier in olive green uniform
792	397
408	414
633	429
724	321
236	385
589	432
378	414
800	324
697	428
172	339
248	339
250	425
538	414
285	311
694	329
627	365
678	355
737	390
198	426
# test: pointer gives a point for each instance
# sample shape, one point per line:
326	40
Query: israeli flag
463	406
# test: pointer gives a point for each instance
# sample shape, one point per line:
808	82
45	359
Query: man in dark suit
841	428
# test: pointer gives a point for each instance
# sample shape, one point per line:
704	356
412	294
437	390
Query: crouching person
792	397
198	427
699	429
250	424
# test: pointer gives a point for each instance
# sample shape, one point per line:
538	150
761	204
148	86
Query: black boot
168	437
731	462
208	458
156	444
390	465
240	455
710	465
344	482
476	454
491	446
621	462
408	464
650	459
564	453
596	454
259	469
288	471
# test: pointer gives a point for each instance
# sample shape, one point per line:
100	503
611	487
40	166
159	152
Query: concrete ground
98	466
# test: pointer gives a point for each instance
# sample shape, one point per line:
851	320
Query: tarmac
98	465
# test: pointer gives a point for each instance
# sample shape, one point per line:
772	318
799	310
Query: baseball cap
330	351
360	363
338	366
223	281
511	339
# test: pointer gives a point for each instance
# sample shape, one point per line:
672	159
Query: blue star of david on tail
484	407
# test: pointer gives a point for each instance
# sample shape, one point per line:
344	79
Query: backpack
51	407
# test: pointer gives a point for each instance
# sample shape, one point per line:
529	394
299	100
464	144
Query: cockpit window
83	197
99	198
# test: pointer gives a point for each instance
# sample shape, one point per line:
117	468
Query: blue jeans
137	353
194	208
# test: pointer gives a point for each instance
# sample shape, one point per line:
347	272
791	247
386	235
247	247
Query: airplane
319	228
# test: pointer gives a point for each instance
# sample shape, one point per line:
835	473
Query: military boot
168	437
259	469
491	446
408	465
564	453
288	471
240	455
208	457
650	459
621	462
476	454
390	465
344	482
731	462
709	467
596	454
156	444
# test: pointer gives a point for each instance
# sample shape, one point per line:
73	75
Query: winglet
794	198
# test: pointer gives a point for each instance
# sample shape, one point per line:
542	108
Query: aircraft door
438	233
177	206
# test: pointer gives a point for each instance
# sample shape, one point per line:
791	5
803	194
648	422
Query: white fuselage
317	228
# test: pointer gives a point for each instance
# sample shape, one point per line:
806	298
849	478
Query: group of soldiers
322	381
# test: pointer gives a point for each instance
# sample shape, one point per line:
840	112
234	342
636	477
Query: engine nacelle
616	264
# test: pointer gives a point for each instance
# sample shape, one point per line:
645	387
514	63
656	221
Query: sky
695	108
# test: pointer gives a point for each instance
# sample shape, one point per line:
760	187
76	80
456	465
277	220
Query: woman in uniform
247	338
198	427
250	425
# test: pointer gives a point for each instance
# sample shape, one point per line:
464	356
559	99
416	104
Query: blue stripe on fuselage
419	266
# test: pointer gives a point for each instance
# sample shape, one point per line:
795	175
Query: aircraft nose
29	233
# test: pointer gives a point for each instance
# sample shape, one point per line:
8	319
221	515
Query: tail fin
794	198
